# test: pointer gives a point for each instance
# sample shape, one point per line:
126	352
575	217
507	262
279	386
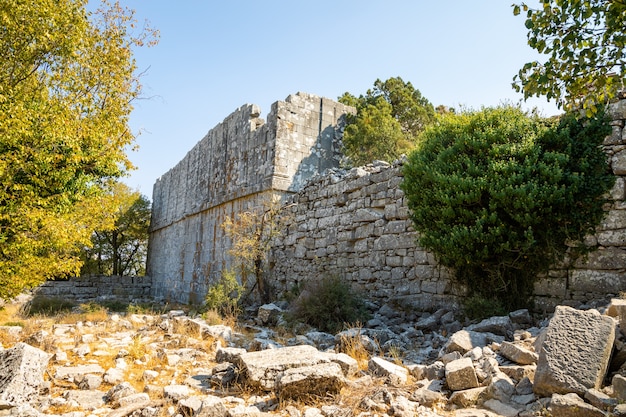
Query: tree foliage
122	249
389	118
584	41
67	80
496	194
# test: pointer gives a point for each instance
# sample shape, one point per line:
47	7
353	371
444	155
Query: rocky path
428	365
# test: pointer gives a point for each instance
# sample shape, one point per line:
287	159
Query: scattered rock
395	374
517	353
460	375
571	405
21	373
306	381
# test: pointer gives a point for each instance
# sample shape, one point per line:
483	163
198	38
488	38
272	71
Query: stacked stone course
356	225
98	288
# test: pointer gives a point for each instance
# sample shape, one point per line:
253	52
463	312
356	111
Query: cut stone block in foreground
575	353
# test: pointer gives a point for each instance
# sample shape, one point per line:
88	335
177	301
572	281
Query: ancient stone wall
603	272
240	162
350	224
98	288
356	225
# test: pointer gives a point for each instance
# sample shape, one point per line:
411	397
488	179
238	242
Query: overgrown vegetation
224	295
251	233
329	304
498	195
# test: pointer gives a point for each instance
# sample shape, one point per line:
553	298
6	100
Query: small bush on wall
497	193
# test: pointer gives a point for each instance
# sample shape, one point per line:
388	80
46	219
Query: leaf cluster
496	194
585	46
388	120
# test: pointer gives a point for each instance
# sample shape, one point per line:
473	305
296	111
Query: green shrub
478	307
224	295
329	304
48	306
496	194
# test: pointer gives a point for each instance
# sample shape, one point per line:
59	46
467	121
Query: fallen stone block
85	399
427	397
212	407
500	387
465	340
348	364
571	405
268	314
395	374
518	354
70	372
599	399
617	309
306	381
21	373
500	325
575	352
460	375
468	397
619	387
519	372
261	369
228	354
501	409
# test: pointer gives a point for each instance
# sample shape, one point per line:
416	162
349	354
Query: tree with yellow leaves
67	83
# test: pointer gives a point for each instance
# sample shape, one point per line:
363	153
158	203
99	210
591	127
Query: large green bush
497	193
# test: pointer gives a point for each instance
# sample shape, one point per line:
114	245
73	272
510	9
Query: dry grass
353	346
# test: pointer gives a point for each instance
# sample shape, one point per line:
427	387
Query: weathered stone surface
460	375
316	380
268	313
176	392
500	325
463	341
619	387
396	374
21	373
575	353
261	369
571	405
517	353
500	408
212	407
599	399
85	399
64	372
467	398
617	309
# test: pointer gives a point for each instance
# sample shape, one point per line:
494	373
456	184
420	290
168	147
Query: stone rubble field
570	364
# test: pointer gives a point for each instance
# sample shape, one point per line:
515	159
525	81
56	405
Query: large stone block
261	369
461	375
575	352
21	373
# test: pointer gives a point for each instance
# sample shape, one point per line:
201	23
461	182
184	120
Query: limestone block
599	282
614	219
500	387
500	408
603	258
617	110
617	309
518	353
599	399
467	398
460	374
317	380
261	369
571	405
612	237
66	372
500	325
212	406
396	374
21	373
87	400
618	163
619	387
575	353
464	340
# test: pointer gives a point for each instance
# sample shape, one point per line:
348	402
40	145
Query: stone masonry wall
239	163
602	273
355	225
98	288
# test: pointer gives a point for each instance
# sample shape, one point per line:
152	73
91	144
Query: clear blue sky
214	56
